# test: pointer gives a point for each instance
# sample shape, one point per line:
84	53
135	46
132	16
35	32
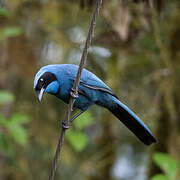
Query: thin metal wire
74	92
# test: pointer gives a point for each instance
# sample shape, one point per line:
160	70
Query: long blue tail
131	121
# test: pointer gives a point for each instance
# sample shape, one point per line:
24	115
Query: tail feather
131	121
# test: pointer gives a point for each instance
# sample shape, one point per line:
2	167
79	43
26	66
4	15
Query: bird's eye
41	80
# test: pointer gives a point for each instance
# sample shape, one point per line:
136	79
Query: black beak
40	94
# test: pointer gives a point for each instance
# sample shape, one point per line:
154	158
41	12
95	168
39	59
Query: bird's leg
73	118
64	125
77	115
73	93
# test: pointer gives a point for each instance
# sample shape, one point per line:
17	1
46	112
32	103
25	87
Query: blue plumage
58	80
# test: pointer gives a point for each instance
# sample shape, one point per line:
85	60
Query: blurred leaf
2	120
148	42
19	118
13	124
167	164
15	128
160	177
77	139
10	32
6	97
4	12
84	120
18	133
5	146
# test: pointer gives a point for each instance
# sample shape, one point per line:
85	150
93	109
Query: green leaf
84	120
15	128
160	177
5	146
4	12
10	32
77	139
18	133
3	120
19	118
6	97
167	164
148	42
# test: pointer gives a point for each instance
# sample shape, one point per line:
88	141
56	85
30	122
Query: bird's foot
64	125
73	93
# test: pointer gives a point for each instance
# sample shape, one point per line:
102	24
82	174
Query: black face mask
43	82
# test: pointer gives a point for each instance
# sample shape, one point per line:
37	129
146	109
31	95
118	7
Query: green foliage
10	32
11	129
168	165
135	72
6	97
5	146
160	177
148	42
15	128
77	138
4	12
84	120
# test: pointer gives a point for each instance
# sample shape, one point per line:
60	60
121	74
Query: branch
74	92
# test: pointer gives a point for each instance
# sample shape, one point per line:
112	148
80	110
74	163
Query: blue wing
66	73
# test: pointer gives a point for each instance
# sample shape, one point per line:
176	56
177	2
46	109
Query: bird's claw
65	126
73	93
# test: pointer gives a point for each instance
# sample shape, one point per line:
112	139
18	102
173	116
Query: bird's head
45	82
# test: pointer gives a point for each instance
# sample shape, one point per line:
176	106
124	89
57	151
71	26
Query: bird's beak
40	94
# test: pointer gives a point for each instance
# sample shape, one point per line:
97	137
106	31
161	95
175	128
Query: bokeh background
135	50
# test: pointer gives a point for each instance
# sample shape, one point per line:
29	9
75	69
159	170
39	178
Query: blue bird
58	80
